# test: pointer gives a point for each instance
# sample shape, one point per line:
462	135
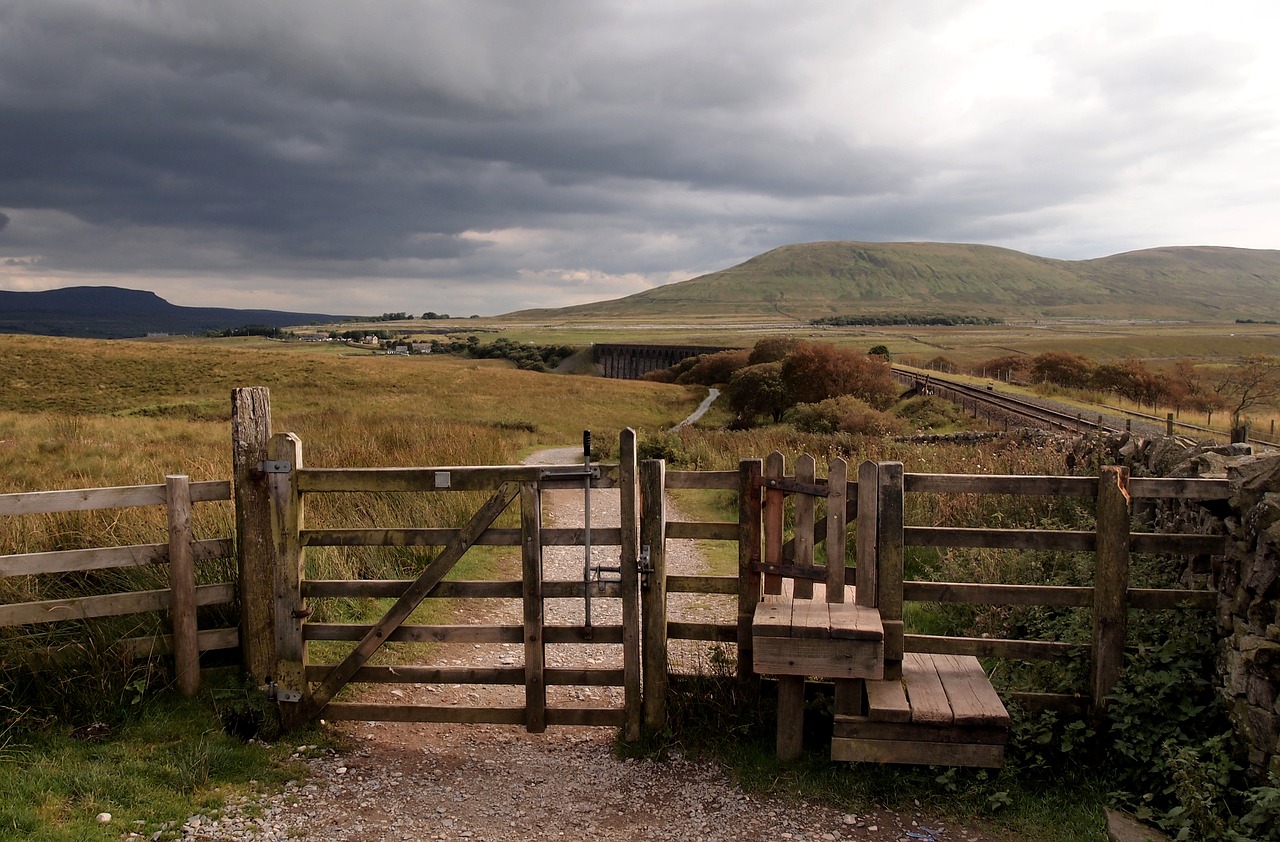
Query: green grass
170	761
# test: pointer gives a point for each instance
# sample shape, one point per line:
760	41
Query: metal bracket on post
276	693
275	467
645	566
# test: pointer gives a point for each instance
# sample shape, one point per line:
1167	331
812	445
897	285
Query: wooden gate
307	690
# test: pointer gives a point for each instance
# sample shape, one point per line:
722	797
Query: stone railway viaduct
629	362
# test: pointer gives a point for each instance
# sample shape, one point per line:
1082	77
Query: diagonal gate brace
409	601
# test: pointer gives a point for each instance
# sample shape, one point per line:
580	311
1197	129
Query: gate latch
645	565
275	466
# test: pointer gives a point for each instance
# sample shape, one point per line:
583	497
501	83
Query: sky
485	156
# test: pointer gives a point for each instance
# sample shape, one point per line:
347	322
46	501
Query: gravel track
483	782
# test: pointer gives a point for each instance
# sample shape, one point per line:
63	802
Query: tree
815	372
772	349
1062	368
881	351
759	390
1254	380
714	369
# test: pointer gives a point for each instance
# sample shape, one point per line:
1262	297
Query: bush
845	414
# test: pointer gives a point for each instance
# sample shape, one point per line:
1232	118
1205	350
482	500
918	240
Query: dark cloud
509	150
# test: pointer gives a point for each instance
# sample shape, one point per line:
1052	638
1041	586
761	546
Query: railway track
998	406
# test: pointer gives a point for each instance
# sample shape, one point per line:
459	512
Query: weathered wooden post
1111	584
653	530
866	590
1168	424
774	514
629	559
284	456
250	435
749	473
182	585
802	543
535	685
890	555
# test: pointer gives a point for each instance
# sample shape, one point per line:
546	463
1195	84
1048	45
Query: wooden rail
181	552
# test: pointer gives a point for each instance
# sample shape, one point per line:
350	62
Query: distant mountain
815	280
115	313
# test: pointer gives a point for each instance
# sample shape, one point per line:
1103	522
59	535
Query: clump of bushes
846	414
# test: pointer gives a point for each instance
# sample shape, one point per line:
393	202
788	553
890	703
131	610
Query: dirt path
479	782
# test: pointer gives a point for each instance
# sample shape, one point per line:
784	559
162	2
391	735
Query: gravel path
478	782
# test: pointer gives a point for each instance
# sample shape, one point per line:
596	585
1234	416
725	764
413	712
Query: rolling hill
816	280
115	313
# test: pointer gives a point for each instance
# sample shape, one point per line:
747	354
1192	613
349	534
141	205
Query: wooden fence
1110	596
270	479
181	551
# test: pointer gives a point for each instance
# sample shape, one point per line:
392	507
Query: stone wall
1247	579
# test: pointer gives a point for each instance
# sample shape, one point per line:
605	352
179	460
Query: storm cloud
483	157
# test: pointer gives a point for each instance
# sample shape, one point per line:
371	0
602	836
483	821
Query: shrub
845	414
815	372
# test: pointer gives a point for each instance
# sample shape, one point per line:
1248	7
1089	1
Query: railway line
1016	410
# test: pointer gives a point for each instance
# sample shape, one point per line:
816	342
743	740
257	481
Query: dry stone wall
1247	579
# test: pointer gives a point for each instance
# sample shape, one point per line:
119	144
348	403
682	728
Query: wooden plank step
810	620
973	700
943	711
819	658
929	704
772	619
850	621
887	701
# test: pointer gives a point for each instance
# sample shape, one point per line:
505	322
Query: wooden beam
806	473
654	597
629	586
105	558
749	512
774	466
92	499
182	581
866	589
250	435
837	526
1111	584
535	688
286	560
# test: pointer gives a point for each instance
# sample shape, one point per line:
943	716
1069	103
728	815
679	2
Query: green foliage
845	414
907	319
928	412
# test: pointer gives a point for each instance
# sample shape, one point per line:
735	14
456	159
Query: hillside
814	280
115	313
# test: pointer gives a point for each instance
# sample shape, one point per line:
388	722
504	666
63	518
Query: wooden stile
867	591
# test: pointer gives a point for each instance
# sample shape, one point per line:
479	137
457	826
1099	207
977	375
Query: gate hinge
275	466
644	564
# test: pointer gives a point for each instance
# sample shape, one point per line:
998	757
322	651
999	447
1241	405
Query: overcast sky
482	157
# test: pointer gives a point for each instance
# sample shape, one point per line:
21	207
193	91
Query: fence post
250	434
182	584
837	536
866	591
535	685
806	472
890	552
774	514
749	473
653	529
290	669
1168	424
629	492
1111	584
